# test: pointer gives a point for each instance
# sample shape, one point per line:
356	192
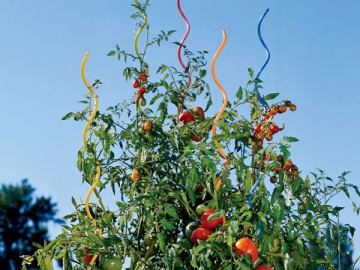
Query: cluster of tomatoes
139	84
146	131
288	166
195	233
193	115
266	128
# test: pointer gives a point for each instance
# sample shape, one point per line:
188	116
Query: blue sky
315	62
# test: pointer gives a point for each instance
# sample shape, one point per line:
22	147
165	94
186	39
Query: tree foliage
23	221
163	173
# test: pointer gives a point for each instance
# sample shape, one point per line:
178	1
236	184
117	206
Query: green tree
23	221
167	167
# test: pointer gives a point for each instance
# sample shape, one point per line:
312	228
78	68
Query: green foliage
23	221
176	174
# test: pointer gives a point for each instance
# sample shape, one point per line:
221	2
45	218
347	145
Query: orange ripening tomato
199	112
147	126
135	175
245	245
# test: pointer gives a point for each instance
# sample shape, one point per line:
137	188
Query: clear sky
315	62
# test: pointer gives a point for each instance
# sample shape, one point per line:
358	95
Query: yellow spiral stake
138	35
218	184
98	169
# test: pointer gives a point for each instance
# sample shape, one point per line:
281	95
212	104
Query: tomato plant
154	220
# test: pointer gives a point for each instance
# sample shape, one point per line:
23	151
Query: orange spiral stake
218	184
98	170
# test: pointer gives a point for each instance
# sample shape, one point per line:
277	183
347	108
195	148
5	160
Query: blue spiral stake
256	184
267	59
252	190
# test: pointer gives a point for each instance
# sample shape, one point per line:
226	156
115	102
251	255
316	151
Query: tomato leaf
239	93
285	152
288	139
170	210
67	116
271	96
167	225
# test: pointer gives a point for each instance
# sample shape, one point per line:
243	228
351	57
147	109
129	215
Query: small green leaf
271	96
111	53
239	93
67	116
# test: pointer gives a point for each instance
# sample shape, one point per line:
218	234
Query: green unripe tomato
142	131
111	264
189	229
142	102
150	138
200	209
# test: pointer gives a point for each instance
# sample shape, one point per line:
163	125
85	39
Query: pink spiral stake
179	51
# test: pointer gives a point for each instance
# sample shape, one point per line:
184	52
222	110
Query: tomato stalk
113	231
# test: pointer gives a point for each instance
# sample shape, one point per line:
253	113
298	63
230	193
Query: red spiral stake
225	96
179	52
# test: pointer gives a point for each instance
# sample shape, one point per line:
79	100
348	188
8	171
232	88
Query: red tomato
138	97
200	234
212	223
282	109
135	84
186	117
196	138
262	267
274	129
257	129
88	258
245	245
198	111
142	90
143	77
288	165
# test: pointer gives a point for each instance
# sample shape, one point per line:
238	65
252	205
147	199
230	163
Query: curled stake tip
267	59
